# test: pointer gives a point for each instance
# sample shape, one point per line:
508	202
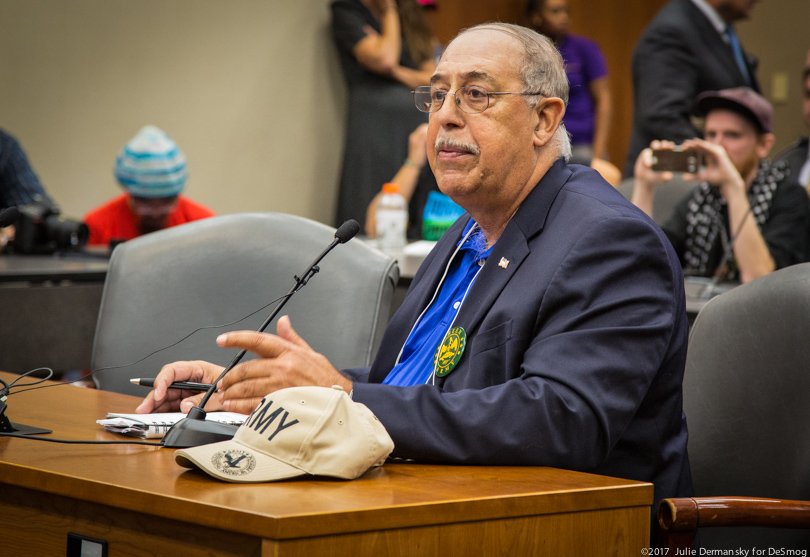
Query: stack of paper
151	426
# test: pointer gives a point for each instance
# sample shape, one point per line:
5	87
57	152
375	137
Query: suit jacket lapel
512	247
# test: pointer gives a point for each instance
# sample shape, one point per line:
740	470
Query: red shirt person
152	170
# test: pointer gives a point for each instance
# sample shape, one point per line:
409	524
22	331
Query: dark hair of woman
533	6
416	30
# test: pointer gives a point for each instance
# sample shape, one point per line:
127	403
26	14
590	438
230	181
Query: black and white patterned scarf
707	214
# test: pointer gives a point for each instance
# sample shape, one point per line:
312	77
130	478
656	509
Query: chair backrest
162	286
667	196
747	400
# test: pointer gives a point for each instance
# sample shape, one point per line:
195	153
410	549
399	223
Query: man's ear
550	112
765	144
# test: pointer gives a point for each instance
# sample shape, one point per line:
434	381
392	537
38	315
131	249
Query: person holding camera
19	184
747	216
152	170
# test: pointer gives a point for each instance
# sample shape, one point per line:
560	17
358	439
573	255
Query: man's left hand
717	170
285	360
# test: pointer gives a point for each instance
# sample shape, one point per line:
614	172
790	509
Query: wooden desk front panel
36	524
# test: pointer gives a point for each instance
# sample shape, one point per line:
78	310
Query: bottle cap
390	187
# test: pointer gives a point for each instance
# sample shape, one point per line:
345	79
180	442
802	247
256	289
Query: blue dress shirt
415	364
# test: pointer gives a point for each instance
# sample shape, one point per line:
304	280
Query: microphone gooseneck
709	291
195	430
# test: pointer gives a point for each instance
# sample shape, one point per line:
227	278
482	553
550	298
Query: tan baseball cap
296	432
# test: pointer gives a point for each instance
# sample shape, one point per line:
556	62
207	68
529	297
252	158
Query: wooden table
142	503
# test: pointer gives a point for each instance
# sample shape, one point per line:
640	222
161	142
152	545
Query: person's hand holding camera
6	236
717	169
645	175
646	179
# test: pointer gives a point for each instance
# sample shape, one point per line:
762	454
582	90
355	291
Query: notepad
155	426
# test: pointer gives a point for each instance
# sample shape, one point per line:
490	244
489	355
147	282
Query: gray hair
543	71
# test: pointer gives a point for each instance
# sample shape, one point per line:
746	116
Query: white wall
251	91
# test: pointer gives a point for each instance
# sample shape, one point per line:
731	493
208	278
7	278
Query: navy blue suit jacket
575	350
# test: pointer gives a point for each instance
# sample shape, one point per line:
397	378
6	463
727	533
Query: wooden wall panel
614	24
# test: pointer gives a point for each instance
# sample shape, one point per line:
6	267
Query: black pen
184	385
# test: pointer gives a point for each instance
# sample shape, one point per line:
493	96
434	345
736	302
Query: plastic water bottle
392	221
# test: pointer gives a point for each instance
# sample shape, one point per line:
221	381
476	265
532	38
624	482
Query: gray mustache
454	143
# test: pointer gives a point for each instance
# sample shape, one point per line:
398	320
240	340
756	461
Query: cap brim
712	102
232	461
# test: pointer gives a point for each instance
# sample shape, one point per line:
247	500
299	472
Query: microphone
9	216
347	231
195	430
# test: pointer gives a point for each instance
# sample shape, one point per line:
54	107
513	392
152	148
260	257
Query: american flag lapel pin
504	263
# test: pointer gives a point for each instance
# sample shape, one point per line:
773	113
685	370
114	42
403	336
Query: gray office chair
747	405
667	196
162	286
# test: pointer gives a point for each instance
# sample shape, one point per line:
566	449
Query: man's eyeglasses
471	100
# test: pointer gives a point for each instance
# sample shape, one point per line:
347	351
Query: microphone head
347	231
10	215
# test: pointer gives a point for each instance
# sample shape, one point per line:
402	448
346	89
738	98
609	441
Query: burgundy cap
742	100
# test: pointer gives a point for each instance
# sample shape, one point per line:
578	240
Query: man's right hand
646	179
645	176
163	399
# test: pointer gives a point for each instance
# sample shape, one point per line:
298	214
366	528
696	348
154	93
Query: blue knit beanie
151	165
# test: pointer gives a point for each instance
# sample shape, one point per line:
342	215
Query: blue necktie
734	42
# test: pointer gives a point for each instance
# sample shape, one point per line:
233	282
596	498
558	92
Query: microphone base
191	432
26	429
7	426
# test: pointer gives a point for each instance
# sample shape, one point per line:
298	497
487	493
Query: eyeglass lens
469	99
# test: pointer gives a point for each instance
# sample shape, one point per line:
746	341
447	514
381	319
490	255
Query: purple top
584	63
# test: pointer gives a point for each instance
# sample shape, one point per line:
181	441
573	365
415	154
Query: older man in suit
547	326
689	47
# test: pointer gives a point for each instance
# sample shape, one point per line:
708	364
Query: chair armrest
678	518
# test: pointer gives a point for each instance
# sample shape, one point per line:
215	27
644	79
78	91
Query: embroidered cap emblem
449	352
234	462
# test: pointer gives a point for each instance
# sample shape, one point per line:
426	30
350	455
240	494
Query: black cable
26	374
6	390
78	442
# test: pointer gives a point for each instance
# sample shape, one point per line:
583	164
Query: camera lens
66	233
